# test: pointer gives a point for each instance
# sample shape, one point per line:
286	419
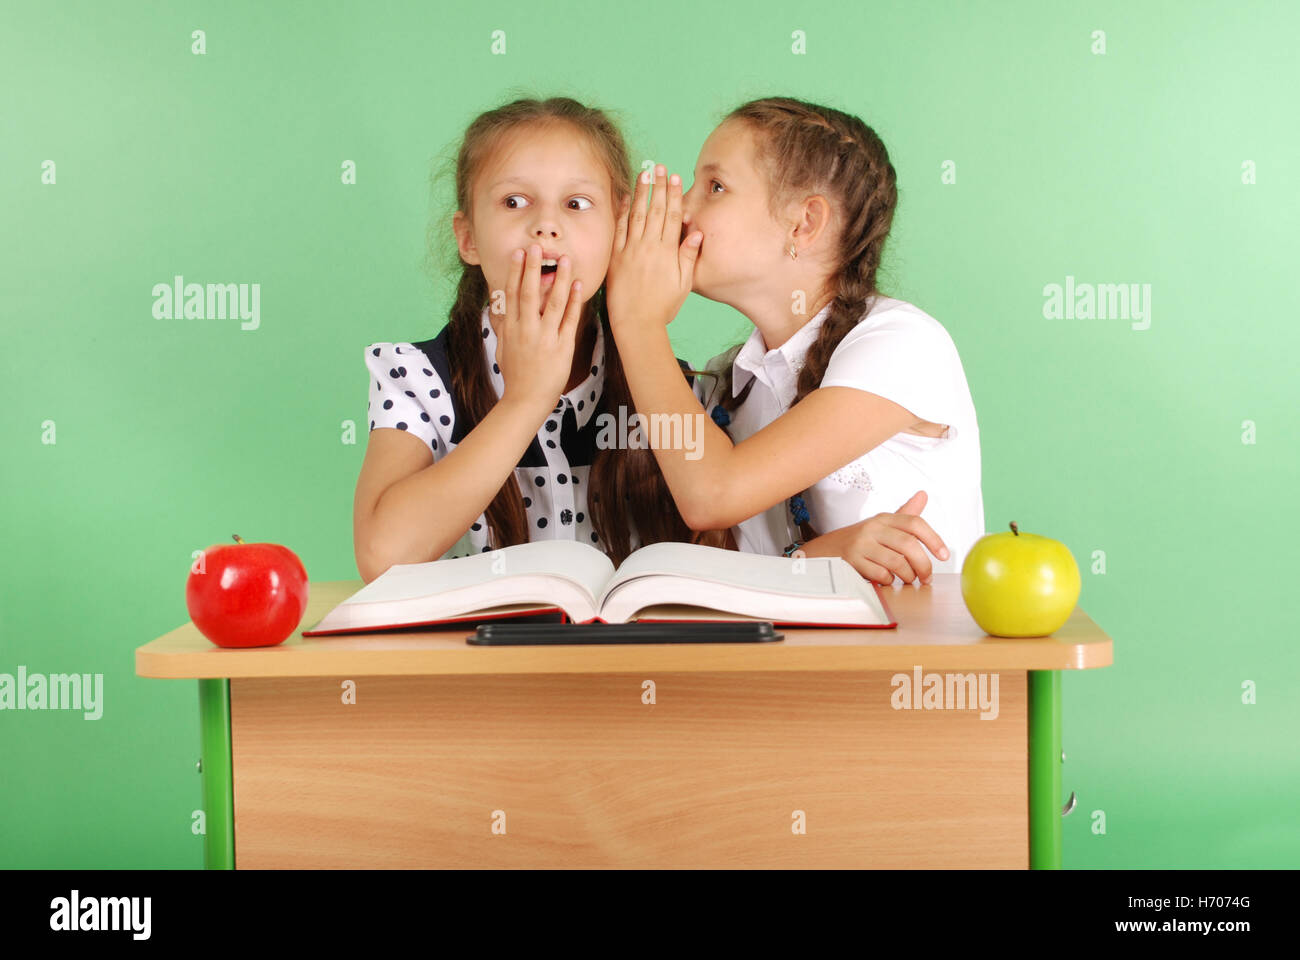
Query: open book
662	582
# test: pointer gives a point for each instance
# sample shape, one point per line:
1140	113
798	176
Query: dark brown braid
806	149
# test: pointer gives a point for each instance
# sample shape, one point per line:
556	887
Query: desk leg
1045	769
218	795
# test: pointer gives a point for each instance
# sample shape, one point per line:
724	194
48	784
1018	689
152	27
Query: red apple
249	595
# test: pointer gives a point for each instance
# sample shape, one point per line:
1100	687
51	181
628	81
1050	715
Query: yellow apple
1019	584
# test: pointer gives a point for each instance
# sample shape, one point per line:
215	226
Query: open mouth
549	266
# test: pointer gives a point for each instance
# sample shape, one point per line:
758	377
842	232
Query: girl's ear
811	218
464	237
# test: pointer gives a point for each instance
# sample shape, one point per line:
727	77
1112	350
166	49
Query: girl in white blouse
847	415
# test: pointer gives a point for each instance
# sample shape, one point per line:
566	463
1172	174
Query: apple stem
237	540
1013	529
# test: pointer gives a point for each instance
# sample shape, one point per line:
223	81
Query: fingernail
517	256
645	176
660	170
674	179
943	553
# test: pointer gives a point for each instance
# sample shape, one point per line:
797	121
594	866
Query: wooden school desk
785	754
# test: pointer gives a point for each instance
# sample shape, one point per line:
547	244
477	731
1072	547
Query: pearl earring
793	254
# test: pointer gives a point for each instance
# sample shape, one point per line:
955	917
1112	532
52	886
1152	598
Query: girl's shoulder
410	390
898	319
900	352
429	357
893	333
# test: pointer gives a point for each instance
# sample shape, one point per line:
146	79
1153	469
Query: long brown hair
805	148
626	484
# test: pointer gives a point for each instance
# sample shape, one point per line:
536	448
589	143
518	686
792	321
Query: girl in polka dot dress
486	435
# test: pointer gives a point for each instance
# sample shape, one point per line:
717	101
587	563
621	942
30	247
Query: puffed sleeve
407	394
904	356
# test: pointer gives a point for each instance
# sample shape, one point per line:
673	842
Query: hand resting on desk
885	545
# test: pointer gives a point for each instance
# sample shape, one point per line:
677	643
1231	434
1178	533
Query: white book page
677	598
823	577
582	565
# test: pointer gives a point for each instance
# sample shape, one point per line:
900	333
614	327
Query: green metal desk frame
1044	772
218	774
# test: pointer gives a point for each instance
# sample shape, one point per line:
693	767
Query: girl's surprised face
741	255
546	187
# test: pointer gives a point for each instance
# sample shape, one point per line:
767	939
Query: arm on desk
410	509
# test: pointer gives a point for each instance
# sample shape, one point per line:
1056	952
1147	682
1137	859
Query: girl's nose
546	224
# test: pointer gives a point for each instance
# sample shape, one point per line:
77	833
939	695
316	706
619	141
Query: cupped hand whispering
651	268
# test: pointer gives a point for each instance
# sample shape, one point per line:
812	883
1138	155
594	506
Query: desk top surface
934	630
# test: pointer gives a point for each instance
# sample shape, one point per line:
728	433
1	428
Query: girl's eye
712	184
520	206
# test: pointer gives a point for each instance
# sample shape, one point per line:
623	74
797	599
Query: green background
172	435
